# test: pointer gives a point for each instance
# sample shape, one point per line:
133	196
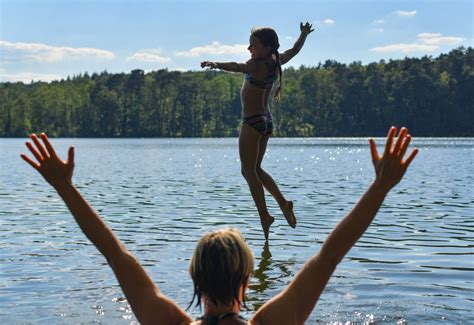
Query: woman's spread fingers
400	139
34	152
29	161
39	146
48	145
373	150
405	145
411	157
70	156
388	144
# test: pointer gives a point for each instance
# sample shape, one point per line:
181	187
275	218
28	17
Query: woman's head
220	267
266	40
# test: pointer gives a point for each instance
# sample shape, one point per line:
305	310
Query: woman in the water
261	72
222	262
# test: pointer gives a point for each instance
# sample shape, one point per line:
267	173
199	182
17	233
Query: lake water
414	264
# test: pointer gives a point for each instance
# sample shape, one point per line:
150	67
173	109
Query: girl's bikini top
266	83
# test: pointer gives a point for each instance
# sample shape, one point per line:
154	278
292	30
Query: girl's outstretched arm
248	67
148	304
286	56
295	303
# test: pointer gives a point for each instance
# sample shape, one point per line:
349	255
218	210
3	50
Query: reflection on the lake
268	275
161	195
261	273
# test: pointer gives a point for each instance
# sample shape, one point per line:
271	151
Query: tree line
431	96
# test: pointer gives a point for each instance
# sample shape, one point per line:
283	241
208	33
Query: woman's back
230	318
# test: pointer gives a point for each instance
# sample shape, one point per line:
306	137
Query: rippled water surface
414	264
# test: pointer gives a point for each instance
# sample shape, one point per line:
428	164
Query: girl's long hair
269	37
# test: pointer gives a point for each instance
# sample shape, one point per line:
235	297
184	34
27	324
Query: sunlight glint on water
414	264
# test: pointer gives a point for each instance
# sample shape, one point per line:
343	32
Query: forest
433	97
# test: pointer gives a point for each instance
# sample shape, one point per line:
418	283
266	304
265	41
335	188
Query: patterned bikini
261	122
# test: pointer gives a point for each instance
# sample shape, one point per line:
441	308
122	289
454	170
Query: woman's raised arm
148	304
295	303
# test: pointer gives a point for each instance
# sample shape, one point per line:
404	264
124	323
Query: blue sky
51	39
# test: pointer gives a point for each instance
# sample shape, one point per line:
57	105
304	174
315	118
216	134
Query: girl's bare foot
266	222
287	210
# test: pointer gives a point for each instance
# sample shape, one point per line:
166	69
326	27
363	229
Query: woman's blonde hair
221	264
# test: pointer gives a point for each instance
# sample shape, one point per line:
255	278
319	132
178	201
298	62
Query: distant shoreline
430	96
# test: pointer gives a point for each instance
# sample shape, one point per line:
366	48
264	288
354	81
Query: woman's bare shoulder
254	321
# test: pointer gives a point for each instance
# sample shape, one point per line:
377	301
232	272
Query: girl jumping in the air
222	262
261	72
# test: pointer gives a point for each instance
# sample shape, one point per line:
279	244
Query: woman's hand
390	167
306	28
54	170
209	64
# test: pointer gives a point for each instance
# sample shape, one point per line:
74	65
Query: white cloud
403	13
36	52
379	21
180	69
404	48
438	39
380	30
214	49
426	42
27	77
328	21
150	55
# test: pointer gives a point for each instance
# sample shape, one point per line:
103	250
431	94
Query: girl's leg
268	182
248	149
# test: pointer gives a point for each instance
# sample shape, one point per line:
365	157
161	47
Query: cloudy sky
51	39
